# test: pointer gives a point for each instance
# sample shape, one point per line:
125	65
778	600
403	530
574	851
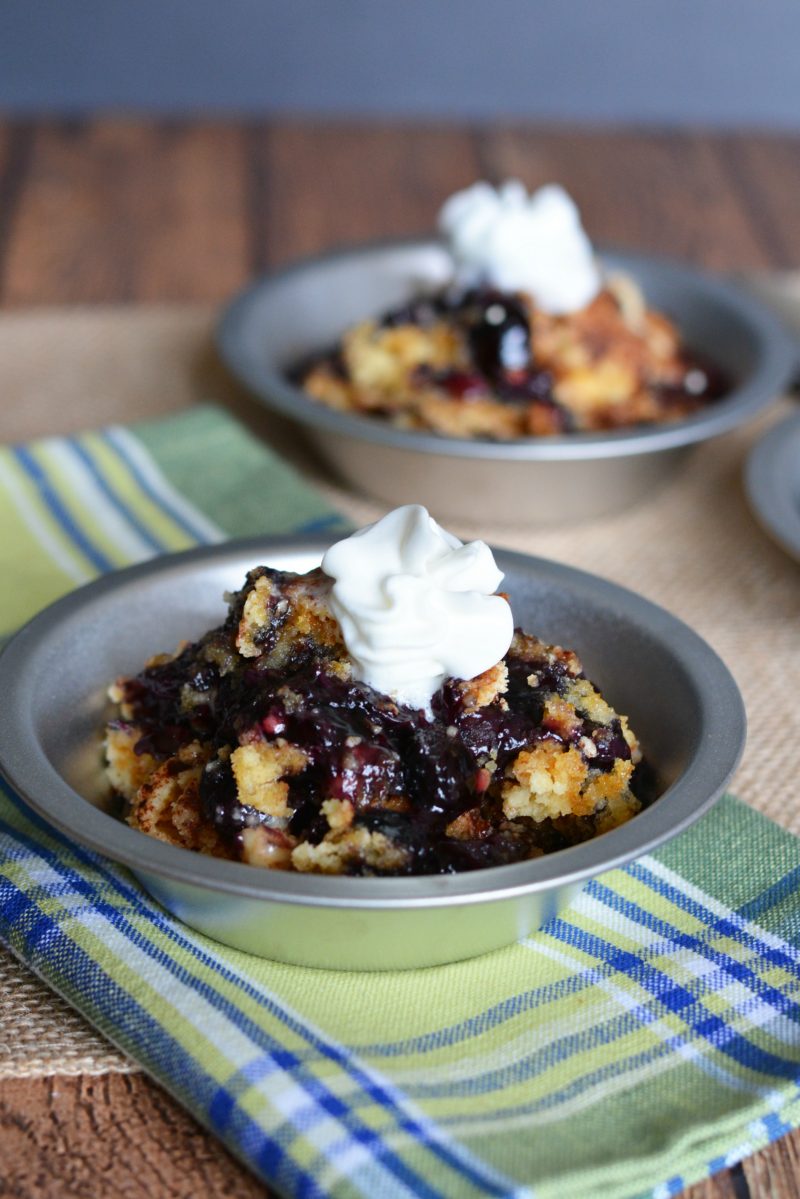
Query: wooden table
130	211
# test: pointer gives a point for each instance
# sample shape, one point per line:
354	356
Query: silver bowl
282	319
772	482
681	699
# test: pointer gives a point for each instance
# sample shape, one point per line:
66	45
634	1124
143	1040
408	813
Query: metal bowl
772	482
681	699
279	321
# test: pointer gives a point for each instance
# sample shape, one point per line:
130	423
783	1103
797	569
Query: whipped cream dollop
416	605
519	242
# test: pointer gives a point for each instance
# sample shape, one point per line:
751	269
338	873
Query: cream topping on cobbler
416	605
535	243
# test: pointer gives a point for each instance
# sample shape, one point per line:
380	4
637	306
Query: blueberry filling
496	330
405	774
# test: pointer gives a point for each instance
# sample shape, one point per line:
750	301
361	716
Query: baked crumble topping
257	743
492	364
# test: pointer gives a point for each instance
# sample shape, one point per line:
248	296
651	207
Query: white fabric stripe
348	1159
609	1085
585	1017
204	528
213	1025
119	531
435	1134
55	550
217	1028
764	936
689	959
751	1008
661	1027
738	1153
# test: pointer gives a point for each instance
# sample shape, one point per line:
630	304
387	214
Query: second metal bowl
282	319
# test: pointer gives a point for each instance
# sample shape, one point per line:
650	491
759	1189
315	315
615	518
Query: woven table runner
727	581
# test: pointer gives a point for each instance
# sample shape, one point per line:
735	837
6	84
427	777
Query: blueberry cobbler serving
529	338
379	715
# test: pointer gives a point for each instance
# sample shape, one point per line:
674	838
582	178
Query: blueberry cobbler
529	338
336	722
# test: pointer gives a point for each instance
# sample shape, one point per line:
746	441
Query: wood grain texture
107	1138
765	172
110	211
16	141
352	183
135	211
119	211
670	194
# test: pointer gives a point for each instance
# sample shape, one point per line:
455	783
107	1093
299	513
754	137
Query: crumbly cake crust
614	364
257	744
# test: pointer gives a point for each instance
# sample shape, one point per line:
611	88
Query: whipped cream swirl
416	605
525	243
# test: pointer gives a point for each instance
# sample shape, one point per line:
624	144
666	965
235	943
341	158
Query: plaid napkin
644	1039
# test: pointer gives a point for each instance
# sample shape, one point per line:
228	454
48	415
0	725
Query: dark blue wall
716	62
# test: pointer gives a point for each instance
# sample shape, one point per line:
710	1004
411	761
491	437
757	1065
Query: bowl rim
772	483
26	766
778	359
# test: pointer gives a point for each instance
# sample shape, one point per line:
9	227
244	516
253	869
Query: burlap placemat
693	547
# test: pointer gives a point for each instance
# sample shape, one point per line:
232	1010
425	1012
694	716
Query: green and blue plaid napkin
646	1038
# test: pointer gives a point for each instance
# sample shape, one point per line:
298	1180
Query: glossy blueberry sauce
502	353
406	774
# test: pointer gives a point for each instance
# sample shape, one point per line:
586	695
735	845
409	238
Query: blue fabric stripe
680	1001
262	1042
31	467
475	1026
721	924
774	1126
580	1085
223	1104
374	1092
561	1049
112	496
320	523
777	893
114	1008
731	966
163	502
534	1065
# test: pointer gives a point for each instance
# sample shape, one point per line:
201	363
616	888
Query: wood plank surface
106	1137
113	211
671	194
121	211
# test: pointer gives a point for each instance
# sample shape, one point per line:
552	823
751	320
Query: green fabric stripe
741	835
228	475
32	576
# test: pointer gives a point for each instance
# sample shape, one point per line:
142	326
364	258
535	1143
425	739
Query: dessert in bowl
529	338
568	439
379	715
684	708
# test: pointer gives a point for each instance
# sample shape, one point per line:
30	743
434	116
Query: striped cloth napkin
643	1040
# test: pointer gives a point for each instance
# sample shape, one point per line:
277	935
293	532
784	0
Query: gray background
712	62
